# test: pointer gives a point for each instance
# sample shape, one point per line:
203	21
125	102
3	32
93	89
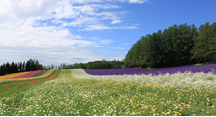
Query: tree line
100	64
176	46
30	65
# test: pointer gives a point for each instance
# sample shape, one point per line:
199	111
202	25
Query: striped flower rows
48	73
207	80
30	74
13	75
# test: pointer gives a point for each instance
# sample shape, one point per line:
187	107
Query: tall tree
8	68
13	68
167	45
23	66
201	43
29	64
212	42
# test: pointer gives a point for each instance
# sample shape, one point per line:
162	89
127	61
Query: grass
199	64
68	96
149	68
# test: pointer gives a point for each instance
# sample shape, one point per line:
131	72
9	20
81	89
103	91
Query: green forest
176	46
100	64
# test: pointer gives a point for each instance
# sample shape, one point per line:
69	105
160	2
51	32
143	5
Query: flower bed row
177	79
47	74
13	75
30	74
21	84
171	70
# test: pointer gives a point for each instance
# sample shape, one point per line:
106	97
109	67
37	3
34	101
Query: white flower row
182	79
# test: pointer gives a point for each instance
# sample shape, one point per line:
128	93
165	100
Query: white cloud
57	21
125	27
96	27
40	26
137	1
134	1
106	41
103	27
116	21
126	44
48	55
83	20
25	35
116	57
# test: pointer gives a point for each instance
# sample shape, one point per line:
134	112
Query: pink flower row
30	74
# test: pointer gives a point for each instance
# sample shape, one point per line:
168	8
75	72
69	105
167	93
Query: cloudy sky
70	31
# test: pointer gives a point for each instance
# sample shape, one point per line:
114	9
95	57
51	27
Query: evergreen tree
201	49
212	43
8	68
13	68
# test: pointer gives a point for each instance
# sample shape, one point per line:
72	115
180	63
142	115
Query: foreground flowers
67	95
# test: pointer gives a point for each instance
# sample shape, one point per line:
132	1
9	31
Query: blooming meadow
74	92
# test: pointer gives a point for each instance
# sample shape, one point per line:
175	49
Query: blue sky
70	31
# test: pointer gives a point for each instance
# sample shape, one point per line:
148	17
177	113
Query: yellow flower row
13	75
46	74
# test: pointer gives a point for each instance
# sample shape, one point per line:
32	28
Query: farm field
171	70
31	75
74	92
13	75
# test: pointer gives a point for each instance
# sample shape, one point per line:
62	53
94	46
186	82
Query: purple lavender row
171	70
30	74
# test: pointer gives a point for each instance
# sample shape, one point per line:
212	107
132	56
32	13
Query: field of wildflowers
68	95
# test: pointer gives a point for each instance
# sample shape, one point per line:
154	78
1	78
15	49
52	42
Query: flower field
30	74
13	75
74	92
171	70
46	74
12	93
195	80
